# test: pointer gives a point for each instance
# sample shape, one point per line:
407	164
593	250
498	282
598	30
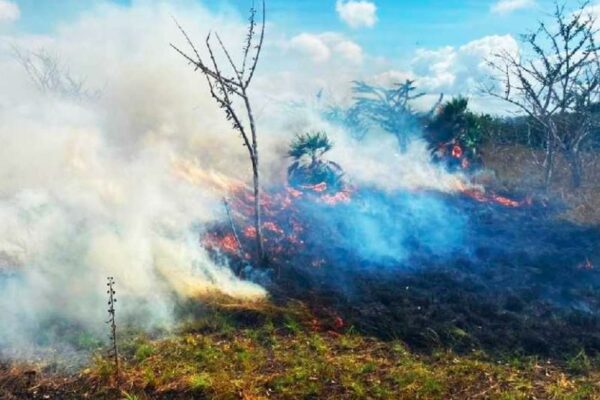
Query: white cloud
508	6
331	61
9	11
320	48
349	50
312	46
459	70
357	14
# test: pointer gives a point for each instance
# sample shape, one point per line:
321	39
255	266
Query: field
259	351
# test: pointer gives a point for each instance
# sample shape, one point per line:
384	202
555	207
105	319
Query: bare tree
556	83
226	88
49	76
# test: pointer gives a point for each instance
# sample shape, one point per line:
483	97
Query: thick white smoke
91	188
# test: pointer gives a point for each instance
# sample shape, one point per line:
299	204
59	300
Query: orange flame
272	226
250	232
194	174
457	151
227	243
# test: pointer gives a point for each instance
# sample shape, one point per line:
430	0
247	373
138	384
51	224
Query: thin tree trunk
574	161
549	160
260	252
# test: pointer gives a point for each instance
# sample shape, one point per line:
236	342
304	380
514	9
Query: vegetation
114	350
390	109
261	351
308	166
454	125
556	83
49	76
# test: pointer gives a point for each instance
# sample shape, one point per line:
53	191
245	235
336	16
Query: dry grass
516	170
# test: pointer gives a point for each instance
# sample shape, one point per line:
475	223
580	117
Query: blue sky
402	25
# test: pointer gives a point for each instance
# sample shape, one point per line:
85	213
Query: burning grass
460	270
517	172
265	351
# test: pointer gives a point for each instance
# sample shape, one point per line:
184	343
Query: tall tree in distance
555	81
225	87
387	108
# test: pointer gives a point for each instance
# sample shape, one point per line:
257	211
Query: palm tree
309	168
455	125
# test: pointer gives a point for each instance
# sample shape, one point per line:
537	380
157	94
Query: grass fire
299	200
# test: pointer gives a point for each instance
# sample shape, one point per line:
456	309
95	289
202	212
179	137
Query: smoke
376	160
386	229
90	188
122	185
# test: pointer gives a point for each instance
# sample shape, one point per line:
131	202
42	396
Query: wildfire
192	173
227	243
457	151
318	188
273	227
284	227
479	194
340	196
250	232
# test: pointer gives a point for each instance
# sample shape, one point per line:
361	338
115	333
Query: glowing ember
457	151
271	226
293	192
339	197
250	232
505	201
465	164
227	243
476	195
482	197
319	188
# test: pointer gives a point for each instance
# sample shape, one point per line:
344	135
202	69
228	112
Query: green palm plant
309	167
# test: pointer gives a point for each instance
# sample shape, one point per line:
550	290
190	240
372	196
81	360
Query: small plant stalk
114	353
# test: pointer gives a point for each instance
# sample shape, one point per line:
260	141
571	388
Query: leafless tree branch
224	89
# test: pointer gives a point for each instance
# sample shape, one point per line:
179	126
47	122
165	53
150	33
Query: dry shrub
518	168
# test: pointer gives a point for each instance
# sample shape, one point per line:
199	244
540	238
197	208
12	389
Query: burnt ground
517	281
